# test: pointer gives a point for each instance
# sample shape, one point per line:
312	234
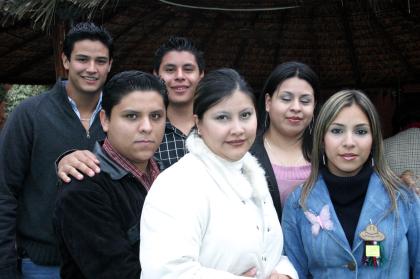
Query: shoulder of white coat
256	174
179	177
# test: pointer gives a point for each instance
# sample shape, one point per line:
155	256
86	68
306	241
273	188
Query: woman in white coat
210	215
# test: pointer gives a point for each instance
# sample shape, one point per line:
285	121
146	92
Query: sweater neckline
346	190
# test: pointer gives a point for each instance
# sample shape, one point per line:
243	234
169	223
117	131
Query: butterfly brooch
322	221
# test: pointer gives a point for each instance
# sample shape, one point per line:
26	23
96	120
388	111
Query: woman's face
291	107
348	142
229	127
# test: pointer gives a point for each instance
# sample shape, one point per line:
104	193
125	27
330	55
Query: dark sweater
36	133
97	223
258	150
348	195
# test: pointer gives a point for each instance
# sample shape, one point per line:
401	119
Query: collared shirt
172	147
145	178
95	112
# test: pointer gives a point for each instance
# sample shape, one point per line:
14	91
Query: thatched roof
349	43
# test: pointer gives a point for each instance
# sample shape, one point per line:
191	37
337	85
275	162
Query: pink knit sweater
288	178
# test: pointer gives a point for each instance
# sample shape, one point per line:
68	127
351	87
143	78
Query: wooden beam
59	33
24	42
48	80
350	44
25	66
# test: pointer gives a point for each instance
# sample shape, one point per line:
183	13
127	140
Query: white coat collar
221	170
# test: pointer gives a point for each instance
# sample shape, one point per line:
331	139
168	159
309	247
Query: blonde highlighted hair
327	115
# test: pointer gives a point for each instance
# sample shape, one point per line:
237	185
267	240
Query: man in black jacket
97	219
36	133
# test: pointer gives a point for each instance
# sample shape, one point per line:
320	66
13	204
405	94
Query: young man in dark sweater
181	65
36	133
97	219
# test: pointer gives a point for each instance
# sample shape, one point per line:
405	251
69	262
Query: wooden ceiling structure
349	43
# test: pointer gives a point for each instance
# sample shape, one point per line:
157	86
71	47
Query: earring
198	132
323	159
372	161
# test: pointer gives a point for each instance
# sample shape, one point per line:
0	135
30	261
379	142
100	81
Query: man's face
179	70
88	67
136	126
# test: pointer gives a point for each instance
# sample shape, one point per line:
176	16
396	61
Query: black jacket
35	134
97	223
258	150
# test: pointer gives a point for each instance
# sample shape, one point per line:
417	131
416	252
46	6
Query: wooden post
59	34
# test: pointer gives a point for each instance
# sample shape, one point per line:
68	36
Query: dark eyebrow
358	125
87	56
362	124
102	58
130	111
158	111
304	94
337	124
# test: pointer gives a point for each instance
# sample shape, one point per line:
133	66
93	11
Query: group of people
183	174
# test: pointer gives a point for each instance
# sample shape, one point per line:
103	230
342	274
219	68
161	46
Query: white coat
205	217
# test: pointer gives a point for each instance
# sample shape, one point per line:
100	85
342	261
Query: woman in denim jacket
351	218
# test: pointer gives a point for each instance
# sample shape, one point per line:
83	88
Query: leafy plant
18	93
44	12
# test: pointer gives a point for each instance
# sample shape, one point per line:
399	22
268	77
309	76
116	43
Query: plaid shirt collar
145	178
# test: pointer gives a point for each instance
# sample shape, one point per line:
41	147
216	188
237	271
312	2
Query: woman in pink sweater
286	109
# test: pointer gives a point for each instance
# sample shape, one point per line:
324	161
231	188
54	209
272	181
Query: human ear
65	61
104	121
267	102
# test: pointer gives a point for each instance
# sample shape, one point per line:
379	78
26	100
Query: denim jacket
329	255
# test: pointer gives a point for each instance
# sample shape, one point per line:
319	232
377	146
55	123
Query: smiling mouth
180	89
294	120
349	157
236	142
91	78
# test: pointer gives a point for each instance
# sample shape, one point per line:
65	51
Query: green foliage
45	12
20	92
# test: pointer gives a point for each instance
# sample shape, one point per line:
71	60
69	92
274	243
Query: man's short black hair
178	44
126	82
87	31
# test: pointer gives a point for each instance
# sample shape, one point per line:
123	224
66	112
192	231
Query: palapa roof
349	43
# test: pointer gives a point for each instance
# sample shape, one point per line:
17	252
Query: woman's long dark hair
275	79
